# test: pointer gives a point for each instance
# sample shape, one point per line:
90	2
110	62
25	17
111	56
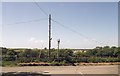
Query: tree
28	53
4	50
92	52
10	56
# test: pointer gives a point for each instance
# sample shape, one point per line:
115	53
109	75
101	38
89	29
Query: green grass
9	63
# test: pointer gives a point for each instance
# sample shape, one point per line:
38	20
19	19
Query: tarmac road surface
110	70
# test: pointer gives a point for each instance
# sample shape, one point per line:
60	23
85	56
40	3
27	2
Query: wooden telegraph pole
49	33
58	49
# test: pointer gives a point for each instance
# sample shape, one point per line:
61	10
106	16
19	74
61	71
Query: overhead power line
40	8
70	29
32	20
37	20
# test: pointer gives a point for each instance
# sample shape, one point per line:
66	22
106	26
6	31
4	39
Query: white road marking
81	73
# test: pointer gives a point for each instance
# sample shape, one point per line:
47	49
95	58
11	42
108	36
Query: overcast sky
90	24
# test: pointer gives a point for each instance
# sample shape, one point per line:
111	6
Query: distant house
80	50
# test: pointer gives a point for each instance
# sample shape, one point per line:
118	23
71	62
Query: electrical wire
74	31
40	8
37	20
70	29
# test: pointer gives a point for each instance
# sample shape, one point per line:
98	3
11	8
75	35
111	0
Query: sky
60	0
86	24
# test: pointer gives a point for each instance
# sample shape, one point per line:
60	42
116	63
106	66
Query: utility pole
49	33
58	49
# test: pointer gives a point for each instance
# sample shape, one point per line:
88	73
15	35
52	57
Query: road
70	70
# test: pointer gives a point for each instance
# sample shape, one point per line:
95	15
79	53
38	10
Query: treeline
98	54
